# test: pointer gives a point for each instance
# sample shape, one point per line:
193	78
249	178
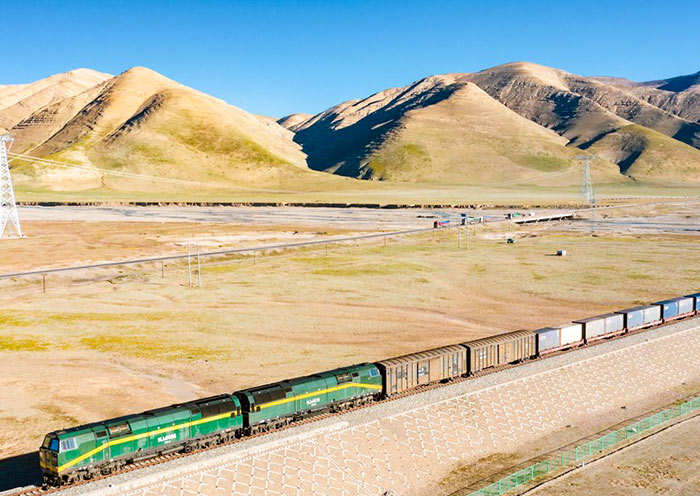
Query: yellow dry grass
112	342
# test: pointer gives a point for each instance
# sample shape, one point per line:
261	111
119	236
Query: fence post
189	267
199	269
162	269
43	282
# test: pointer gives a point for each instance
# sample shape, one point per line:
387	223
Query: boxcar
560	337
641	317
676	308
101	447
593	327
409	371
696	299
499	350
571	335
548	340
273	405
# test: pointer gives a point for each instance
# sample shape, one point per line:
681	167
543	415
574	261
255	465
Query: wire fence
582	452
191	267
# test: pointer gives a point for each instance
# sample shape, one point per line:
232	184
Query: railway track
42	490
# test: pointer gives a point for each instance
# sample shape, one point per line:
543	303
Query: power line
130	175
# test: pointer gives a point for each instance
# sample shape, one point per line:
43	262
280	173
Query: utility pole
8	206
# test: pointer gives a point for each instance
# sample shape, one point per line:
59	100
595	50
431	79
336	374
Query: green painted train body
278	403
125	439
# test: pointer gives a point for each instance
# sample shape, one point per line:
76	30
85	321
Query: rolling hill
517	124
435	130
142	122
17	102
442	129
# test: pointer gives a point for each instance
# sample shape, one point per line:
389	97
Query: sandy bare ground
666	463
110	342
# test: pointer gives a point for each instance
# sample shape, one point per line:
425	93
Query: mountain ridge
582	110
505	123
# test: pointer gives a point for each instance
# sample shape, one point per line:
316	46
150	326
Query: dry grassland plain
108	342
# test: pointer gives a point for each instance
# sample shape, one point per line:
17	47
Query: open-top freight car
409	371
100	448
274	405
498	350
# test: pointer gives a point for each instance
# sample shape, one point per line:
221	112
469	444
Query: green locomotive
104	447
274	405
101	448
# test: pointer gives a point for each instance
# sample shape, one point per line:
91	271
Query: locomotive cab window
373	373
50	443
343	378
68	444
119	429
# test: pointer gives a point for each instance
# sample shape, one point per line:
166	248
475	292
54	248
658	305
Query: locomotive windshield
50	443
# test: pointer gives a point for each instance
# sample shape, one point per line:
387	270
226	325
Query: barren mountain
293	121
679	95
442	128
437	129
580	109
18	102
143	122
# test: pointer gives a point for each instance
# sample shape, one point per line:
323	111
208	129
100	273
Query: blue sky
279	57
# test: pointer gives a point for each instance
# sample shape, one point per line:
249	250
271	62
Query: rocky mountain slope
439	130
518	123
293	121
142	122
387	135
17	102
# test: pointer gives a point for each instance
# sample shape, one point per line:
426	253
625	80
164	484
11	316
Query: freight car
641	317
557	338
498	350
410	371
677	308
602	326
696	299
100	448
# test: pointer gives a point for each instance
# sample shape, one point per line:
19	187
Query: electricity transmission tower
8	207
587	193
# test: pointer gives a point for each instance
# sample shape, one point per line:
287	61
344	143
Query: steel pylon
9	219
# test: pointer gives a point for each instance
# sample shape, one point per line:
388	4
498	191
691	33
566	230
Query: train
98	449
